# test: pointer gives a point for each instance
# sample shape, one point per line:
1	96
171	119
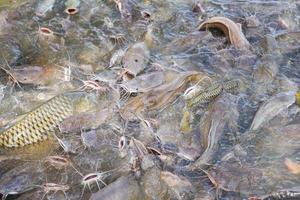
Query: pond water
149	99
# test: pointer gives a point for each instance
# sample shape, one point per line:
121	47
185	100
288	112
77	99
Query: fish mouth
46	31
40	14
71	11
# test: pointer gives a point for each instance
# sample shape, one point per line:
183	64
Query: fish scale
207	95
230	86
37	125
213	91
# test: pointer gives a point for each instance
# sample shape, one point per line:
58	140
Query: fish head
28	74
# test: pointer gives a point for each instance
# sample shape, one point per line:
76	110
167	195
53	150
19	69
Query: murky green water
168	111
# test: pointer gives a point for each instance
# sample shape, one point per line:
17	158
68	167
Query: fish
185	43
292	166
37	75
177	185
231	86
20	179
43	7
222	113
85	120
159	97
213	91
232	30
293	193
136	58
146	82
272	107
125	8
5	25
124	188
37	125
72	6
207	95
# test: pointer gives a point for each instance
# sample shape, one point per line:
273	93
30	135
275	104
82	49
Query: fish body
72	3
231	86
136	58
222	113
232	30
72	6
126	8
281	195
207	95
43	7
37	75
271	108
124	188
38	124
20	179
159	97
213	91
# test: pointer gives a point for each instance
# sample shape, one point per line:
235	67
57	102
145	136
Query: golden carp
38	124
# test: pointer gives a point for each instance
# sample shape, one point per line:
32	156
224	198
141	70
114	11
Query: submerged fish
213	91
124	188
43	7
20	179
126	8
38	124
232	30
291	194
222	113
85	120
136	58
72	6
161	96
208	94
272	107
38	75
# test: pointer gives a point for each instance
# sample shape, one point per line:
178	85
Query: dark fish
20	179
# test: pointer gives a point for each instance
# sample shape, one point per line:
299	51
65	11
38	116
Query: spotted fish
231	86
38	124
213	91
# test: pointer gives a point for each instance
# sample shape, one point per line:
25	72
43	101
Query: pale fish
43	7
273	107
220	114
72	6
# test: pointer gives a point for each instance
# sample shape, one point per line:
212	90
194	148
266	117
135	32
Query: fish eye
122	142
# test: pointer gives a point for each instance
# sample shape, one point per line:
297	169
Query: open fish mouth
71	11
